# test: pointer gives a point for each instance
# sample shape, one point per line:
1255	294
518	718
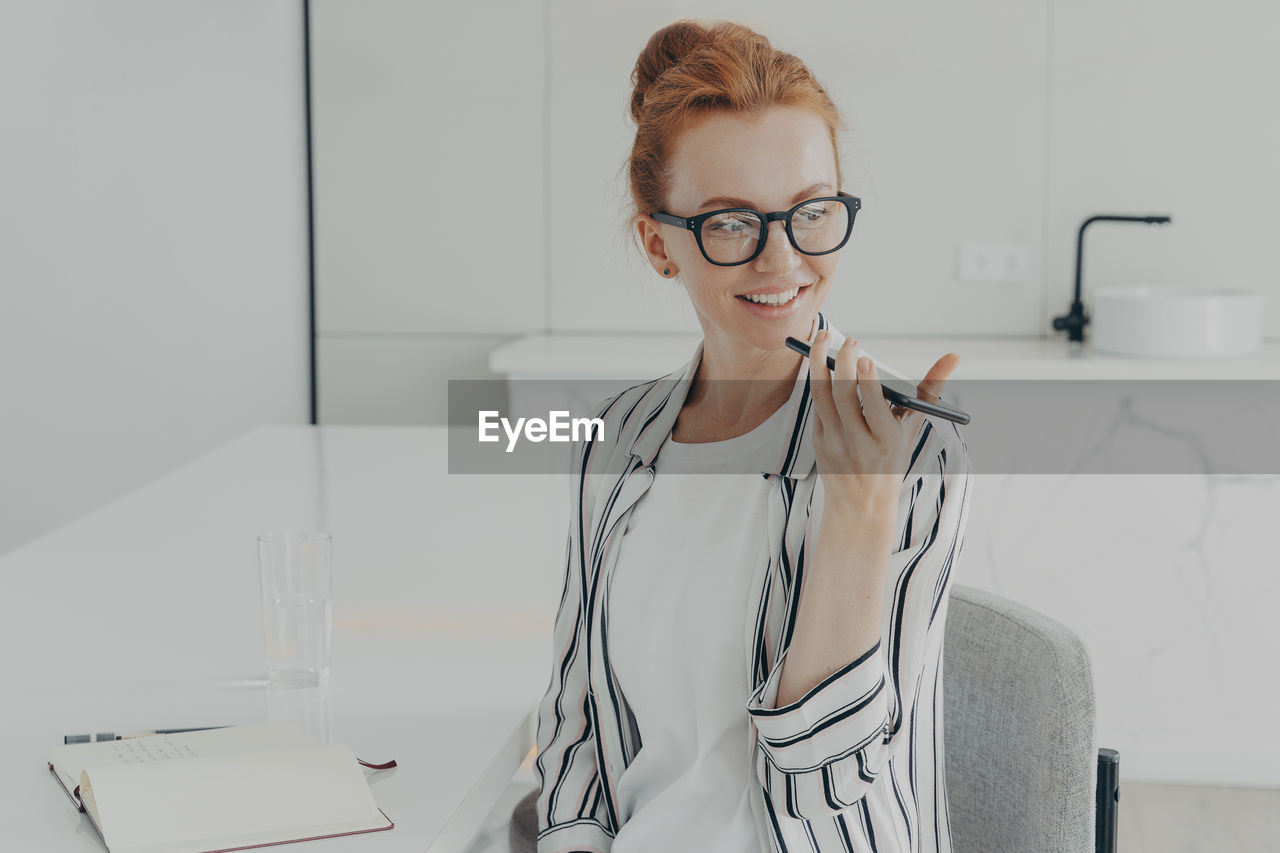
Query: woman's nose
778	254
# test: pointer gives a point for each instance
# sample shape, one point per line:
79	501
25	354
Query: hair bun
693	68
666	49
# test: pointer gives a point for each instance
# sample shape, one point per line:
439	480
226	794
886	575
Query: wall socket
993	263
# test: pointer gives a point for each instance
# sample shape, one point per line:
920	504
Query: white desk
146	614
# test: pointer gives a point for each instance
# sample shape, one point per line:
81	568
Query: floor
1153	818
1191	819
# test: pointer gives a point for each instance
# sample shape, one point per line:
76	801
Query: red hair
688	70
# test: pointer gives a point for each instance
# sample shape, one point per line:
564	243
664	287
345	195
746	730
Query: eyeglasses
737	235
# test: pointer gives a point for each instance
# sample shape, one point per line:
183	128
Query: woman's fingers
844	389
912	422
875	407
930	388
856	425
871	421
820	381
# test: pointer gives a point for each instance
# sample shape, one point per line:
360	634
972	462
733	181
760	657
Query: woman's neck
728	390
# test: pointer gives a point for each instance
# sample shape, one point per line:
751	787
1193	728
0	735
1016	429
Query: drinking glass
296	567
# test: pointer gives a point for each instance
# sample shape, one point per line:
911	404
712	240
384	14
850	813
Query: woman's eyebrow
725	201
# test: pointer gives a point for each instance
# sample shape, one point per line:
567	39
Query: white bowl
1164	322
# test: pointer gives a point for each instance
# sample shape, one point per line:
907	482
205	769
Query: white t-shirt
690	544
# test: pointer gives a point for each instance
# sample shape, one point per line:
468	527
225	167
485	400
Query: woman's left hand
863	450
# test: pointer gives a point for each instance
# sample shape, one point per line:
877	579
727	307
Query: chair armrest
1108	798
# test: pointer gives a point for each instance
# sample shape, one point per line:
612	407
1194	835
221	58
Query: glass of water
297	609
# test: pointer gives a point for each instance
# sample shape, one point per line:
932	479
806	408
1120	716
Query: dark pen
108	736
893	395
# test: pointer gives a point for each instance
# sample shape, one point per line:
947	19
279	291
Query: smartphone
896	391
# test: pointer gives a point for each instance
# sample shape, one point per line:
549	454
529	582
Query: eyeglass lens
732	236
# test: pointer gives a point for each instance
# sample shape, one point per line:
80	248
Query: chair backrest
1018	727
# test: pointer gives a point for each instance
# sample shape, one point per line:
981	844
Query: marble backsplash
1172	584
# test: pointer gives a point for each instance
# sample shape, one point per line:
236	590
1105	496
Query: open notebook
218	790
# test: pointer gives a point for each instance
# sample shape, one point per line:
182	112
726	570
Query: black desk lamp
1074	322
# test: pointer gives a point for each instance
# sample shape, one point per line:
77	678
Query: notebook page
71	759
224	801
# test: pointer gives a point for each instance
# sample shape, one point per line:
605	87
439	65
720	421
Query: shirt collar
793	457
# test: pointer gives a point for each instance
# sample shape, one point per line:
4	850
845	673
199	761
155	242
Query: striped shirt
855	764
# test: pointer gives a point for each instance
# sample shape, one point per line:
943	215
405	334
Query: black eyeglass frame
694	223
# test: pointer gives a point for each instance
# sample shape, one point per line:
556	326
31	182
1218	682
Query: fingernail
864	365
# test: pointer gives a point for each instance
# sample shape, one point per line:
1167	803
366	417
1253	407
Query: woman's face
768	163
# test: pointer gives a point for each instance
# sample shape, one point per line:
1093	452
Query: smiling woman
786	156
751	663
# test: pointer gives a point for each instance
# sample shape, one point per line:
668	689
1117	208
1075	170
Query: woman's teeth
774	298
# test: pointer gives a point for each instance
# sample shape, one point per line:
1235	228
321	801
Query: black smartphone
895	391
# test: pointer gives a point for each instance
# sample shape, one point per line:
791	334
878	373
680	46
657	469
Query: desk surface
146	614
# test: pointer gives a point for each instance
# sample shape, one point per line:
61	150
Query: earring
666	272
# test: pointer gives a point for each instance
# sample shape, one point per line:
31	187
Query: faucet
1074	321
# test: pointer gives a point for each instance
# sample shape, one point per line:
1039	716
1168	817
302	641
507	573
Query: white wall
153	276
1003	122
419	114
1166	108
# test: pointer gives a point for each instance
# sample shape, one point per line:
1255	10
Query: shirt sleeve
823	752
572	814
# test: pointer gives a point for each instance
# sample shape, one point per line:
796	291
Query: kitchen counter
644	356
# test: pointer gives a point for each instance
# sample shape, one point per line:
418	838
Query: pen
894	396
106	736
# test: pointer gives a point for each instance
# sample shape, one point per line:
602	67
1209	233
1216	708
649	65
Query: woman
751	663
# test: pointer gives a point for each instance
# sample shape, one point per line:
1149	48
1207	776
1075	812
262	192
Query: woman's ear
655	246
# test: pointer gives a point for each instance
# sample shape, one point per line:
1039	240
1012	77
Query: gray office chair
523	831
1023	774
